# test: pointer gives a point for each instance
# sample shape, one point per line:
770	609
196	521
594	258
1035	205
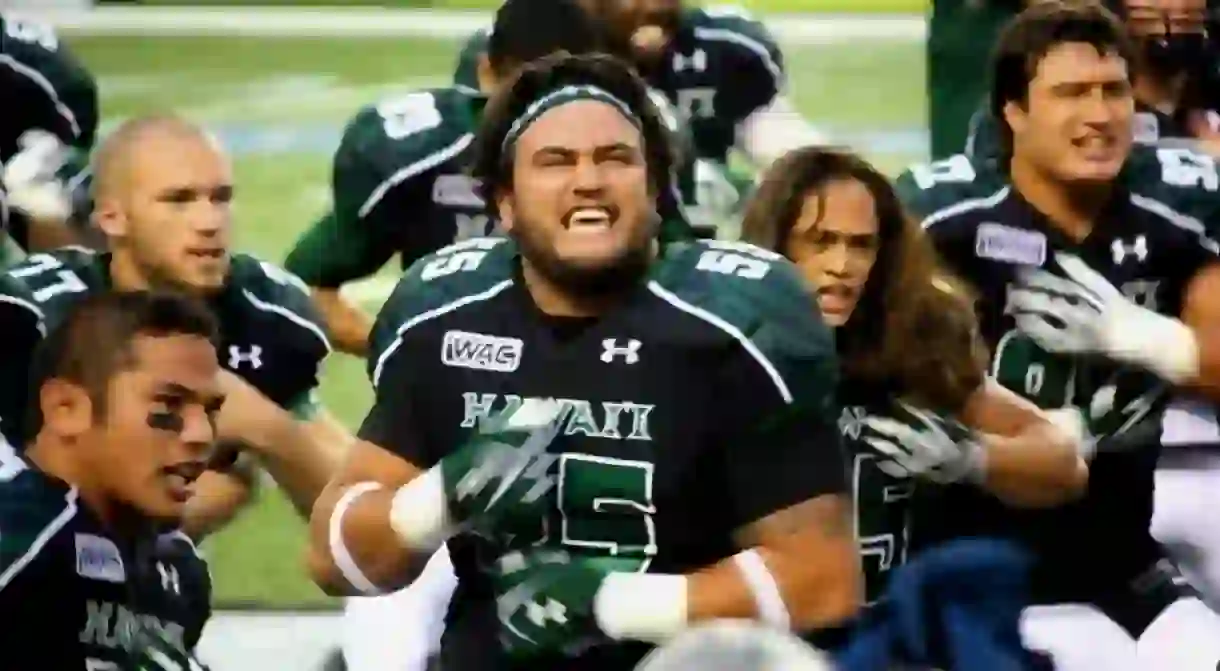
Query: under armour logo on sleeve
252	356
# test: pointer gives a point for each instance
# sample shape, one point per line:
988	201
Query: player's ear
1015	116
108	218
506	210
66	407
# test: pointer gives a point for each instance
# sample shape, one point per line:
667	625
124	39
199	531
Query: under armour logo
630	353
551	611
697	61
252	356
169	577
1139	249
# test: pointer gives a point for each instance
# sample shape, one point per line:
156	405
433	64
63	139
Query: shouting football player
907	415
608	454
163	193
122	422
1114	289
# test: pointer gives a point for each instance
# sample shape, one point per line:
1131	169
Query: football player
907	416
400	182
1171	36
608	454
121	425
163	193
48	127
718	65
1074	201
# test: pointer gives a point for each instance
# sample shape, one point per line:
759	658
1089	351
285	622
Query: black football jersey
76	597
1148	249
704	402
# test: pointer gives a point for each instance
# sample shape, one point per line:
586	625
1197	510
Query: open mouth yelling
592	219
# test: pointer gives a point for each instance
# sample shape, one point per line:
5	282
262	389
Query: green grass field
279	105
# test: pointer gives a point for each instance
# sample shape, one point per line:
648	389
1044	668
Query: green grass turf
276	83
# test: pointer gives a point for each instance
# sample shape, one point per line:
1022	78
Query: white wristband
1161	344
419	512
649	607
767	597
344	561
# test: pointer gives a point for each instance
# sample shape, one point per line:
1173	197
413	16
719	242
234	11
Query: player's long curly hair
493	166
914	329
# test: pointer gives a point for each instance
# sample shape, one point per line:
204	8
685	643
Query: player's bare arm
347	324
300	455
809	551
350	526
1201	313
1031	461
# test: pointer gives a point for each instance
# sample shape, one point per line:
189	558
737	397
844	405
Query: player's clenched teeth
836	297
598	217
207	253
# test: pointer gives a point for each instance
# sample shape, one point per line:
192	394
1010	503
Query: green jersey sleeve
781	441
31	513
270	308
928	188
983	139
466	74
377	180
465	268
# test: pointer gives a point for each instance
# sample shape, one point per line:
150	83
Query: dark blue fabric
956	607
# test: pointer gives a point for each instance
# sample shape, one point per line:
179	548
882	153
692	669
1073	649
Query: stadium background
278	94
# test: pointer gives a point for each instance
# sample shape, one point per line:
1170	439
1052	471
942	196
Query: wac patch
1010	245
477	351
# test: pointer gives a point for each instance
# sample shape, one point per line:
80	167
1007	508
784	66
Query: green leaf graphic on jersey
1118	404
1020	365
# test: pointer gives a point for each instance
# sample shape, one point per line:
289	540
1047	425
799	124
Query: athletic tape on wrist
344	561
767	597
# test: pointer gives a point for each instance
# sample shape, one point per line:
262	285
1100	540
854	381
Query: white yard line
338	22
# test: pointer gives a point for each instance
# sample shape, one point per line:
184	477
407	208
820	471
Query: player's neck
554	301
1072	209
58	461
125	274
1162	96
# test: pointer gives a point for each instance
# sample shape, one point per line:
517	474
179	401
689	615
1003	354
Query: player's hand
1083	313
917	443
545	602
505	468
31	180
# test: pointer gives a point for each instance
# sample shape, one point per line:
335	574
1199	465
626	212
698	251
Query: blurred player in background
122	423
163	194
1097	290
399	177
1173	58
929	415
725	463
47	128
723	71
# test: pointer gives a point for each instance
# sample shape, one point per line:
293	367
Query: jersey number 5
735	258
458	257
66	281
408	115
